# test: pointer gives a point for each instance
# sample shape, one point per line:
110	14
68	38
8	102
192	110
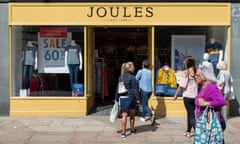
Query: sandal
187	134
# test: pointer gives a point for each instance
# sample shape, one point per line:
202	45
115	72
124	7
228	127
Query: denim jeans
27	71
73	72
144	100
190	108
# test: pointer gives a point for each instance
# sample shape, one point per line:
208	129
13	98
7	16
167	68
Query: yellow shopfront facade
89	24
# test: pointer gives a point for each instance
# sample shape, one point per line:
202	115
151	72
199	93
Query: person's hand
35	67
175	97
138	102
65	68
80	67
202	102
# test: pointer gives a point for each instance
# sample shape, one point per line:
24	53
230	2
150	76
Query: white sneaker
142	119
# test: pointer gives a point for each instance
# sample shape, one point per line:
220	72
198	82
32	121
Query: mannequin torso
29	54
73	54
206	62
214	49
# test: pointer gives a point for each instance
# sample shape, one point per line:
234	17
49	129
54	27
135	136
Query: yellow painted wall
165	106
187	14
160	14
48	106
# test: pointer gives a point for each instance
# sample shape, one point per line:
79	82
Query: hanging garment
167	77
104	81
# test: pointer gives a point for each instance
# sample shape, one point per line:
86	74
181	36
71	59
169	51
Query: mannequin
215	51
73	60
29	53
206	62
225	84
166	75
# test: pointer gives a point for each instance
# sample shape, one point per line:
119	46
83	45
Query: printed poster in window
52	42
184	46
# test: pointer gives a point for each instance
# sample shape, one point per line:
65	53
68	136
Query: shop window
47	61
175	43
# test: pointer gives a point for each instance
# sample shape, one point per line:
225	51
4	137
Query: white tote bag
114	112
121	88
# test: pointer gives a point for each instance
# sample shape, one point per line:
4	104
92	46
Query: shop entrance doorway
114	46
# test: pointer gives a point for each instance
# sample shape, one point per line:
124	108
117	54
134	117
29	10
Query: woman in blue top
129	99
144	76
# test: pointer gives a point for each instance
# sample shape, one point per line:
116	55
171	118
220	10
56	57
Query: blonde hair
123	68
127	65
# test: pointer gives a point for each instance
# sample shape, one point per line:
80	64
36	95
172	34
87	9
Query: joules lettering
124	12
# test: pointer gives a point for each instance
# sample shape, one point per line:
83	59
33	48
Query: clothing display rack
101	78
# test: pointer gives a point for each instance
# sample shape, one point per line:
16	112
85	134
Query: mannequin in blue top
73	60
215	51
29	53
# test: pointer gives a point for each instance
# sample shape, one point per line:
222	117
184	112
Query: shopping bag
114	112
208	128
216	131
78	88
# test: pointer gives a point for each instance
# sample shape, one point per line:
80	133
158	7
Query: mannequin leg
24	75
75	79
30	73
70	67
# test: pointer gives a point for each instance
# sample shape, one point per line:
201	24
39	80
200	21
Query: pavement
96	129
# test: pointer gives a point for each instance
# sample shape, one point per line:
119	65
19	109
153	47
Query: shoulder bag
208	128
121	88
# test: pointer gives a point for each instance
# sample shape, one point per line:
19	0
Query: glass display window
47	60
173	44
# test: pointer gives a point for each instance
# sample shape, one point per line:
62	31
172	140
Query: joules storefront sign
120	12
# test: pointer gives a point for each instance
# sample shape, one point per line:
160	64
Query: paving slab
98	130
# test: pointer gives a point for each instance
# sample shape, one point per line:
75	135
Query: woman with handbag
190	89
128	97
209	95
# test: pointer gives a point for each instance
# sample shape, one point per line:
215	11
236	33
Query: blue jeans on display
27	71
216	71
144	100
73	72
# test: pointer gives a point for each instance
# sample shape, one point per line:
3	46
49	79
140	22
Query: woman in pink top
190	89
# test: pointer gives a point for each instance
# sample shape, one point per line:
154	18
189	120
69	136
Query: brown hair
188	63
145	63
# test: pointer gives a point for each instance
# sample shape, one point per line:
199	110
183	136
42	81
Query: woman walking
190	89
144	76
